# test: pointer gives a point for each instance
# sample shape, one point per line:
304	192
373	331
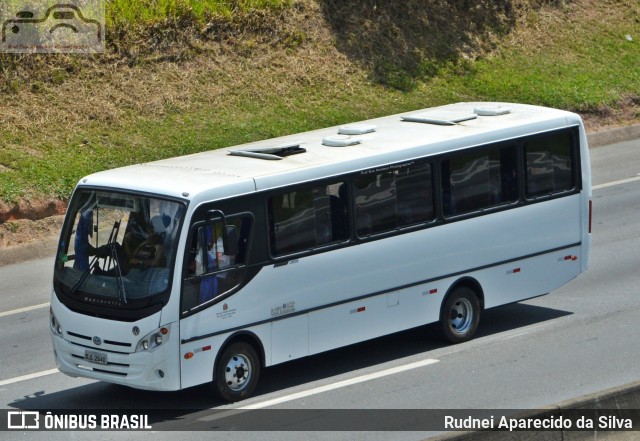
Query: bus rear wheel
237	372
460	315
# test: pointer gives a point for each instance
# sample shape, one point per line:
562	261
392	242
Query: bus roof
220	173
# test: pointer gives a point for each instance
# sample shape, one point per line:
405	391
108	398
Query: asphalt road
580	339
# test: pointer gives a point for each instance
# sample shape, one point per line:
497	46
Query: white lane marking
345	383
611	184
28	377
26	309
528	330
321	389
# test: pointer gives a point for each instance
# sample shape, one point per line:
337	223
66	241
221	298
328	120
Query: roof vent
340	141
492	110
270	153
440	117
357	129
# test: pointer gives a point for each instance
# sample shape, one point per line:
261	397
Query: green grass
576	58
57	167
128	13
600	70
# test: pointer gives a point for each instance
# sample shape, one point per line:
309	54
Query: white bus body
245	257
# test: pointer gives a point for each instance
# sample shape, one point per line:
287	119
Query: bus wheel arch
460	311
237	367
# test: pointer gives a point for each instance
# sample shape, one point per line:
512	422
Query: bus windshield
117	249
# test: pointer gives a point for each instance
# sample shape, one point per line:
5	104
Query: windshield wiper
83	277
122	294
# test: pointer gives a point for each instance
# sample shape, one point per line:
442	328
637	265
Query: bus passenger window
479	179
396	197
549	165
414	195
308	217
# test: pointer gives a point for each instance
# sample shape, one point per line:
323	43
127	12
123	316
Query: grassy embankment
186	75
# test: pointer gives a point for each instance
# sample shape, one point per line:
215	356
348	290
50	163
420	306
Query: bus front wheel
237	372
460	315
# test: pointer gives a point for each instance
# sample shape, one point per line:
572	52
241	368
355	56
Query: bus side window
211	271
375	197
293	225
338	211
414	195
479	179
550	165
308	217
394	198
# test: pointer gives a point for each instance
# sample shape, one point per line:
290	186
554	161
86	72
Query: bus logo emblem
135	330
97	341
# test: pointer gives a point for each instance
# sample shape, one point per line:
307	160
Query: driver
134	253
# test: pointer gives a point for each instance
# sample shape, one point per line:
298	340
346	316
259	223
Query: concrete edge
612	136
621	397
28	251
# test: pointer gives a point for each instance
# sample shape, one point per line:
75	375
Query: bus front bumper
149	370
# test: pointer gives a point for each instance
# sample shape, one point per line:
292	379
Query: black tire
460	315
237	372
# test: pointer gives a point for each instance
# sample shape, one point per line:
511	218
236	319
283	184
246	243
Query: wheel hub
461	316
237	372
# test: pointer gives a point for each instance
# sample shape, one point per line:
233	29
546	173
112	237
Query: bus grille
89	339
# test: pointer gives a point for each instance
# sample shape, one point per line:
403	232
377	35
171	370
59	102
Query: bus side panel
290	338
372	317
528	278
485	247
348	323
553	224
198	369
400	281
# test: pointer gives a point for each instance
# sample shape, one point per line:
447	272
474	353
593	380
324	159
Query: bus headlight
154	339
53	323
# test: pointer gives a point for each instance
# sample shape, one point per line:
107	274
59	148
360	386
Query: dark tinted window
308	217
215	265
394	197
550	165
479	179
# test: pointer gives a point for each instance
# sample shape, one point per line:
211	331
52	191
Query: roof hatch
340	140
345	137
492	110
270	153
440	117
357	129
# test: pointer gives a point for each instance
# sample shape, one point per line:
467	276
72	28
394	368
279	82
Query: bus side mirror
230	240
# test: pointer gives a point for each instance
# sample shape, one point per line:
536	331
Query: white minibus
210	267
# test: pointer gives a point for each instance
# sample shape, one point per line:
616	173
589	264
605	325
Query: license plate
95	357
